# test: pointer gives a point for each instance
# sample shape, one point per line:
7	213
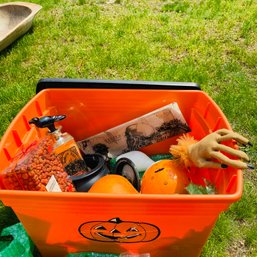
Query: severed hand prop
210	152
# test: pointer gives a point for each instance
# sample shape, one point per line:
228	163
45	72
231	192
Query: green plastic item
158	157
14	241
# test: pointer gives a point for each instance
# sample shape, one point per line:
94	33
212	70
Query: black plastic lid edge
113	84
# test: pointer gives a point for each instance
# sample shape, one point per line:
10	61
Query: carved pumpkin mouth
117	237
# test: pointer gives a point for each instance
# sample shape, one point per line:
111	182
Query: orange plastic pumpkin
165	177
113	184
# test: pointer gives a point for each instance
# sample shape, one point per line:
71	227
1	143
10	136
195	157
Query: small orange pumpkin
113	184
165	177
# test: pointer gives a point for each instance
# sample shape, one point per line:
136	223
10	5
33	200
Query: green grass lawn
211	42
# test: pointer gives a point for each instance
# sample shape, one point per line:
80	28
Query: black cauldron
98	169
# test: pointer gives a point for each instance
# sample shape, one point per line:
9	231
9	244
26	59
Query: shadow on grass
7	217
15	43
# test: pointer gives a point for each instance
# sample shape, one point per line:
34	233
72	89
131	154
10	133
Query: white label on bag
52	185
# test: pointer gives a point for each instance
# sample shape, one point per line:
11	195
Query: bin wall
53	220
184	227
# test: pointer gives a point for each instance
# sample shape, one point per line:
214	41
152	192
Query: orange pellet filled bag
34	166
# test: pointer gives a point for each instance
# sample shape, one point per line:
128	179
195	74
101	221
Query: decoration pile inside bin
113	162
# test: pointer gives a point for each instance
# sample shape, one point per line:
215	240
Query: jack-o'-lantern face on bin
116	230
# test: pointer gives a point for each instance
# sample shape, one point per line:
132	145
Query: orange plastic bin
161	225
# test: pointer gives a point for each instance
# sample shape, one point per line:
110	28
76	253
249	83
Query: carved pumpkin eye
133	229
100	228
